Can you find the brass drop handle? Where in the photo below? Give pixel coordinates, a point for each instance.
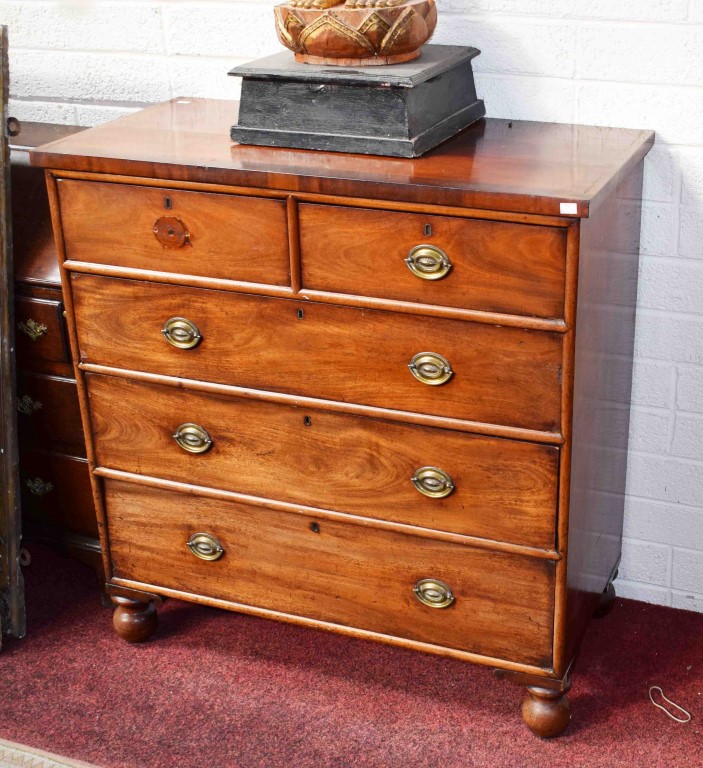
(27, 406)
(39, 487)
(193, 438)
(205, 546)
(428, 262)
(181, 332)
(32, 328)
(431, 368)
(434, 593)
(433, 482)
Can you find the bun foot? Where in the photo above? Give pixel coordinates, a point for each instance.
(546, 713)
(133, 620)
(606, 601)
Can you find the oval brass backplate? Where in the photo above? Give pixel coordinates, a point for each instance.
(430, 368)
(428, 262)
(433, 482)
(171, 232)
(433, 593)
(205, 546)
(193, 438)
(181, 332)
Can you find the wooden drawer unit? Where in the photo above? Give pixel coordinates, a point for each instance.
(171, 230)
(468, 263)
(59, 508)
(495, 488)
(49, 415)
(361, 395)
(499, 375)
(40, 332)
(503, 603)
(56, 492)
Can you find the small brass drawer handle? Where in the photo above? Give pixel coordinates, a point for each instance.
(431, 368)
(433, 482)
(33, 329)
(39, 487)
(27, 406)
(193, 438)
(428, 262)
(205, 546)
(434, 593)
(181, 333)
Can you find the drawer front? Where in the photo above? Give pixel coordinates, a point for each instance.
(501, 375)
(49, 415)
(335, 572)
(40, 332)
(492, 266)
(56, 491)
(171, 230)
(503, 489)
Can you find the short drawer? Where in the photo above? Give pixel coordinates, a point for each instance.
(40, 332)
(49, 415)
(171, 230)
(340, 573)
(500, 375)
(495, 489)
(469, 263)
(56, 491)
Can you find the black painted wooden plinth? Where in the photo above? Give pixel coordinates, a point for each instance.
(402, 110)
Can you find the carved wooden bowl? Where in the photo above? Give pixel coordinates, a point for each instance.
(358, 33)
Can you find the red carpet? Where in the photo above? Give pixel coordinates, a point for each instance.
(218, 690)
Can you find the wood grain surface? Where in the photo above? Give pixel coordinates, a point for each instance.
(338, 573)
(502, 375)
(228, 236)
(502, 165)
(504, 489)
(496, 267)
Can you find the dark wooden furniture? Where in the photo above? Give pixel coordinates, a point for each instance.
(12, 617)
(57, 502)
(388, 397)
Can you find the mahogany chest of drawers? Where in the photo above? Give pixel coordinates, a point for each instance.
(384, 397)
(57, 501)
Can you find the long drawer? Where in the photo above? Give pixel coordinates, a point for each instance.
(498, 375)
(335, 572)
(171, 230)
(502, 489)
(485, 265)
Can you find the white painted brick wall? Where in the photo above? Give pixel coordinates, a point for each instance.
(629, 63)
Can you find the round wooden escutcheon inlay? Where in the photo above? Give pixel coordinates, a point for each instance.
(171, 232)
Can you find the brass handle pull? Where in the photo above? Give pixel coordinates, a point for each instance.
(428, 262)
(431, 368)
(205, 546)
(32, 329)
(27, 406)
(39, 487)
(434, 593)
(193, 438)
(433, 482)
(171, 232)
(181, 332)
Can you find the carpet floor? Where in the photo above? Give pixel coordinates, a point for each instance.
(219, 690)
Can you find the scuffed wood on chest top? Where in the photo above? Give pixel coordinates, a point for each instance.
(345, 388)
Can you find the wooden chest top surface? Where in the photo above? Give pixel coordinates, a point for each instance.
(516, 166)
